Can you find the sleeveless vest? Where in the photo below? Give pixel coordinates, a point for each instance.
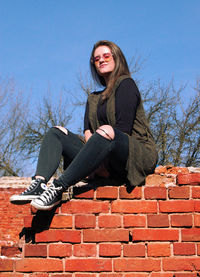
(142, 150)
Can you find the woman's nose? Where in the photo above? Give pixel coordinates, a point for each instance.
(101, 59)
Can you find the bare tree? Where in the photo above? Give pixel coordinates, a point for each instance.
(174, 122)
(22, 130)
(47, 114)
(13, 114)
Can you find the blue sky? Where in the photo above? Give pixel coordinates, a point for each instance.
(47, 43)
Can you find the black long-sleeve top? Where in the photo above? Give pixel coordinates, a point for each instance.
(127, 99)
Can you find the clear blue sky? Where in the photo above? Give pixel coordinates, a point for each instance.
(48, 42)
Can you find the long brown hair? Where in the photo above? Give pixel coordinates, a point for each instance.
(121, 67)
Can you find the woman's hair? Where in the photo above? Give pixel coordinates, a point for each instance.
(121, 67)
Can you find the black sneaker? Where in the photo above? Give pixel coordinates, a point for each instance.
(49, 198)
(36, 188)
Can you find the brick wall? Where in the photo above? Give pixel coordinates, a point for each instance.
(106, 231)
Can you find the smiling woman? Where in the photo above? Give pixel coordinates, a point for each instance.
(117, 139)
(104, 62)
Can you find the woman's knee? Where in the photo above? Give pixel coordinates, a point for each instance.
(106, 131)
(64, 130)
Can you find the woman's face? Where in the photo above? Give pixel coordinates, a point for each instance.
(103, 60)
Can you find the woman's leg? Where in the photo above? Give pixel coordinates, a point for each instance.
(57, 142)
(103, 143)
(96, 150)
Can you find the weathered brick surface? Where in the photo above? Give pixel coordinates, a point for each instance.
(108, 231)
(158, 249)
(85, 250)
(11, 216)
(134, 220)
(134, 250)
(184, 249)
(108, 250)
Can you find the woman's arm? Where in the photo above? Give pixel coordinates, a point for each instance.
(87, 130)
(127, 99)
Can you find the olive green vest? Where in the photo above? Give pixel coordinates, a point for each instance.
(142, 151)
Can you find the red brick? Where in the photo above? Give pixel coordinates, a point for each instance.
(170, 169)
(137, 264)
(35, 250)
(188, 179)
(179, 192)
(136, 193)
(39, 264)
(192, 234)
(198, 249)
(185, 249)
(107, 192)
(134, 250)
(110, 250)
(61, 221)
(156, 274)
(85, 221)
(6, 265)
(181, 264)
(134, 206)
(112, 275)
(135, 275)
(185, 275)
(84, 275)
(155, 235)
(160, 220)
(197, 220)
(196, 192)
(10, 251)
(176, 206)
(154, 180)
(62, 275)
(197, 206)
(155, 193)
(134, 220)
(181, 220)
(91, 235)
(60, 250)
(11, 274)
(85, 207)
(109, 221)
(158, 249)
(85, 250)
(41, 275)
(55, 235)
(90, 265)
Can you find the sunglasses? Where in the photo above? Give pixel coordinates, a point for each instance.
(106, 56)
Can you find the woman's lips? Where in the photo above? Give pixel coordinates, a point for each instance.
(102, 65)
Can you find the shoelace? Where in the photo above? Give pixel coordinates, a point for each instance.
(32, 185)
(50, 193)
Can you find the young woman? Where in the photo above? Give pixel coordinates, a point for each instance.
(118, 141)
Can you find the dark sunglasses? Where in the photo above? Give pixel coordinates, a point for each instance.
(106, 56)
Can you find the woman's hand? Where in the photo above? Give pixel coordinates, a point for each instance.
(87, 135)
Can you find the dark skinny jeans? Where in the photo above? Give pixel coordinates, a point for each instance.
(81, 159)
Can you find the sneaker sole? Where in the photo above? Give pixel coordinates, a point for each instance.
(21, 200)
(44, 208)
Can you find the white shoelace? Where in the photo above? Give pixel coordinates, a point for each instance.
(51, 192)
(32, 185)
